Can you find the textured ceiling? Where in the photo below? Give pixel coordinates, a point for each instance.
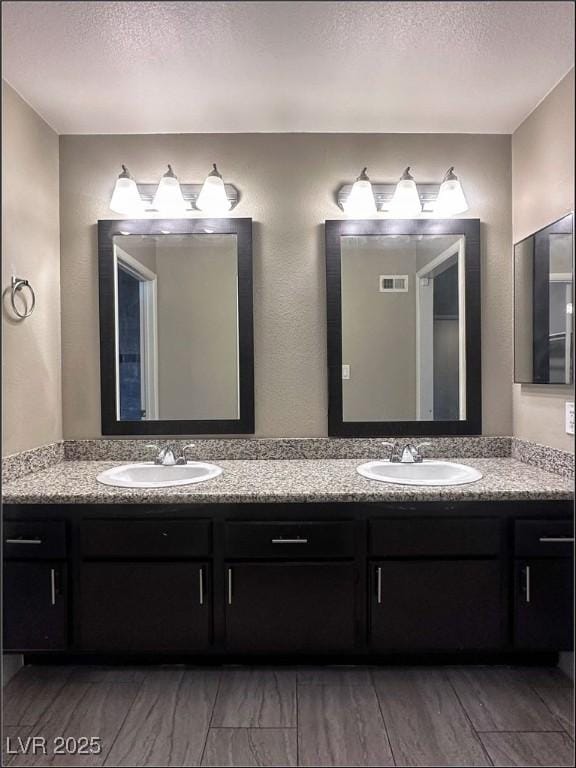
(148, 67)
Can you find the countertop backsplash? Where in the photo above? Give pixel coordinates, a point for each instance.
(246, 449)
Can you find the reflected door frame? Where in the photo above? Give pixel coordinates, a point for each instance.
(148, 282)
(425, 334)
(565, 279)
(542, 278)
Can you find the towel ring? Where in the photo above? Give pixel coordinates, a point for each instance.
(18, 283)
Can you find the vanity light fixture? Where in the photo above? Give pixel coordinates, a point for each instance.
(126, 197)
(403, 199)
(213, 199)
(168, 198)
(360, 202)
(405, 202)
(171, 198)
(450, 200)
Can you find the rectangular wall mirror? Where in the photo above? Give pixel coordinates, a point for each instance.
(543, 305)
(176, 326)
(404, 327)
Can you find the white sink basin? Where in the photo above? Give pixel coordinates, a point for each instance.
(421, 473)
(150, 475)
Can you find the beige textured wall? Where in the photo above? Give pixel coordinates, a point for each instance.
(31, 390)
(287, 183)
(543, 191)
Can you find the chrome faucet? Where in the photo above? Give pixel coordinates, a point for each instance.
(171, 454)
(409, 454)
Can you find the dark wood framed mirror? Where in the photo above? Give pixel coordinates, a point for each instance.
(176, 328)
(543, 305)
(404, 327)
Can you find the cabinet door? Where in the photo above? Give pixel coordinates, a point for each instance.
(145, 606)
(35, 606)
(435, 605)
(291, 607)
(544, 610)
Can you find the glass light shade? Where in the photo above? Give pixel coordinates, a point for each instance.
(360, 202)
(168, 198)
(450, 200)
(126, 198)
(405, 201)
(212, 198)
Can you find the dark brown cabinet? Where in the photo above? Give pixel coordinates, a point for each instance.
(435, 605)
(145, 606)
(259, 579)
(35, 606)
(290, 607)
(35, 586)
(544, 605)
(543, 585)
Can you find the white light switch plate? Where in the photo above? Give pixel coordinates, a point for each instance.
(345, 372)
(569, 418)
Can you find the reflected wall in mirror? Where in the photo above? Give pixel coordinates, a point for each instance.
(176, 326)
(543, 305)
(403, 300)
(403, 327)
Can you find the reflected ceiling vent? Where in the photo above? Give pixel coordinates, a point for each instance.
(393, 283)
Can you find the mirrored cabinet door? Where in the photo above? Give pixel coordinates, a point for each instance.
(176, 323)
(404, 327)
(543, 305)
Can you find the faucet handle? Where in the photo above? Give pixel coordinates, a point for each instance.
(185, 448)
(422, 445)
(392, 445)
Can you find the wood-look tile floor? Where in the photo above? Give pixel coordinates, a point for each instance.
(251, 716)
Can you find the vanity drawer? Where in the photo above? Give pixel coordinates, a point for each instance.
(289, 540)
(431, 537)
(35, 540)
(543, 538)
(155, 539)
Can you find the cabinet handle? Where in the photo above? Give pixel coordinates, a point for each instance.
(201, 585)
(379, 585)
(229, 586)
(52, 586)
(289, 541)
(527, 582)
(23, 541)
(557, 539)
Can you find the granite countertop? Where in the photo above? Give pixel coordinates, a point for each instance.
(294, 480)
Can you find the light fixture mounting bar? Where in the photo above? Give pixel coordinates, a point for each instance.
(190, 193)
(383, 195)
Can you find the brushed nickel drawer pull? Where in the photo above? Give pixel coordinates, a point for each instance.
(557, 539)
(289, 541)
(201, 584)
(379, 585)
(53, 586)
(527, 584)
(23, 541)
(229, 586)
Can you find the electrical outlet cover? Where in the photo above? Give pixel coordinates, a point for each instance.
(569, 418)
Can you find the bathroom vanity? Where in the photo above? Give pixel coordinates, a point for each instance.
(300, 557)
